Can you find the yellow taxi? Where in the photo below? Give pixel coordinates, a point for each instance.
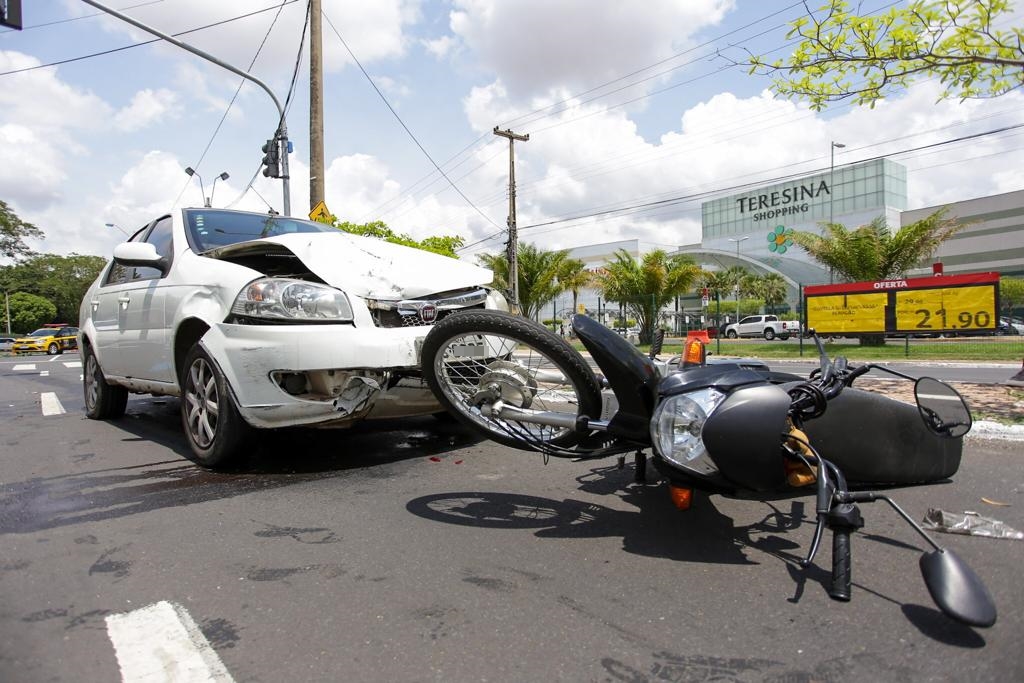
(52, 339)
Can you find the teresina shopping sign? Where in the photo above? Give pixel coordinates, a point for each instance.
(788, 201)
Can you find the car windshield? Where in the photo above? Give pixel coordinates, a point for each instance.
(44, 332)
(212, 228)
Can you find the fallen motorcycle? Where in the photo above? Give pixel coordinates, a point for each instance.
(728, 428)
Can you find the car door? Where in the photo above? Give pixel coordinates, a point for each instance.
(129, 314)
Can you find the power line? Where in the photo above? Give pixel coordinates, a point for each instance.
(227, 109)
(84, 16)
(674, 200)
(405, 127)
(145, 42)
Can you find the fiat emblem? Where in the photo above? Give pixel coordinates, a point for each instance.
(428, 313)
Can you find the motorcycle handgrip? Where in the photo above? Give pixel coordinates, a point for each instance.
(855, 373)
(840, 589)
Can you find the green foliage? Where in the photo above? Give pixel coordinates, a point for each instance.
(645, 287)
(573, 276)
(62, 280)
(13, 231)
(872, 252)
(538, 275)
(1011, 293)
(843, 54)
(29, 312)
(445, 245)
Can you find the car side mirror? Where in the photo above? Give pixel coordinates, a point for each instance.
(142, 254)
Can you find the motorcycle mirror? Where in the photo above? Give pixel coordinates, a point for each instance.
(942, 408)
(956, 589)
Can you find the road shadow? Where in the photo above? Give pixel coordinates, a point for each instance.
(279, 458)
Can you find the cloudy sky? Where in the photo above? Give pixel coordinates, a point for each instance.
(636, 111)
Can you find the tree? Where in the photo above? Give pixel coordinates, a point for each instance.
(538, 275)
(872, 251)
(844, 54)
(63, 280)
(645, 287)
(573, 277)
(771, 287)
(29, 312)
(1011, 293)
(439, 244)
(13, 231)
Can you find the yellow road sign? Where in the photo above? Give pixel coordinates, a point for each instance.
(320, 212)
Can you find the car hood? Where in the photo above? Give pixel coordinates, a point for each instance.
(362, 266)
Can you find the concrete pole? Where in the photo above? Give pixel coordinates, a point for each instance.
(513, 236)
(316, 107)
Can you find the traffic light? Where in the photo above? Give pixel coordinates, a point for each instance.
(272, 159)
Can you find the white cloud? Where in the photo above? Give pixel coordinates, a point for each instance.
(147, 107)
(440, 47)
(535, 45)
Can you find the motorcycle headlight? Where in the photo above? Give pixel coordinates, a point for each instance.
(676, 428)
(297, 300)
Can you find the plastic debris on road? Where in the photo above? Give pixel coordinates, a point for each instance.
(969, 523)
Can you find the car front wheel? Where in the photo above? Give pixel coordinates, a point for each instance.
(731, 334)
(102, 401)
(216, 433)
(53, 349)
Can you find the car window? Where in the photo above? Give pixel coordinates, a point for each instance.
(160, 236)
(212, 228)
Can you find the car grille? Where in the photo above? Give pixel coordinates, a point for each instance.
(417, 312)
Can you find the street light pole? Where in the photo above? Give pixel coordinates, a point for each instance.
(737, 241)
(831, 178)
(115, 225)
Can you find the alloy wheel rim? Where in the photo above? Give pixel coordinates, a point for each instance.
(202, 407)
(91, 382)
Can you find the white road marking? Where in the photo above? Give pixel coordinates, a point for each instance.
(73, 364)
(25, 366)
(161, 642)
(44, 373)
(53, 359)
(51, 404)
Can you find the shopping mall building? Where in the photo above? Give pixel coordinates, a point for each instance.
(753, 229)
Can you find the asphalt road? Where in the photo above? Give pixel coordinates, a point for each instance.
(412, 551)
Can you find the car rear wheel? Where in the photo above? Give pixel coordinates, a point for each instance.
(53, 349)
(217, 434)
(102, 401)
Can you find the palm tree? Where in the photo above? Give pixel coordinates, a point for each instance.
(645, 287)
(872, 251)
(573, 277)
(771, 288)
(538, 275)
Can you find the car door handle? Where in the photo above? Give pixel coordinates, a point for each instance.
(95, 304)
(124, 300)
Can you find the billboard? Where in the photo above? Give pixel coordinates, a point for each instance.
(929, 305)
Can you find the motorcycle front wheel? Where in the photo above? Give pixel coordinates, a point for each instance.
(472, 359)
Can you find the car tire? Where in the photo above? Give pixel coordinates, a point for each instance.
(769, 334)
(783, 337)
(731, 334)
(53, 349)
(217, 435)
(102, 401)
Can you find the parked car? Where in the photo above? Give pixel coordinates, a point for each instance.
(6, 343)
(767, 326)
(1012, 326)
(263, 321)
(53, 339)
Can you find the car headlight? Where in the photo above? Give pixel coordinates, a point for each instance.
(676, 428)
(286, 299)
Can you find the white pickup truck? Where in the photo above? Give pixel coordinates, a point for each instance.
(767, 326)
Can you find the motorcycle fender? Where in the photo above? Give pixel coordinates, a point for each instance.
(873, 438)
(743, 437)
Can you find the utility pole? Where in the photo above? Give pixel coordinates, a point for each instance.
(316, 107)
(513, 237)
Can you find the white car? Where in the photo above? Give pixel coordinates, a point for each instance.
(265, 321)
